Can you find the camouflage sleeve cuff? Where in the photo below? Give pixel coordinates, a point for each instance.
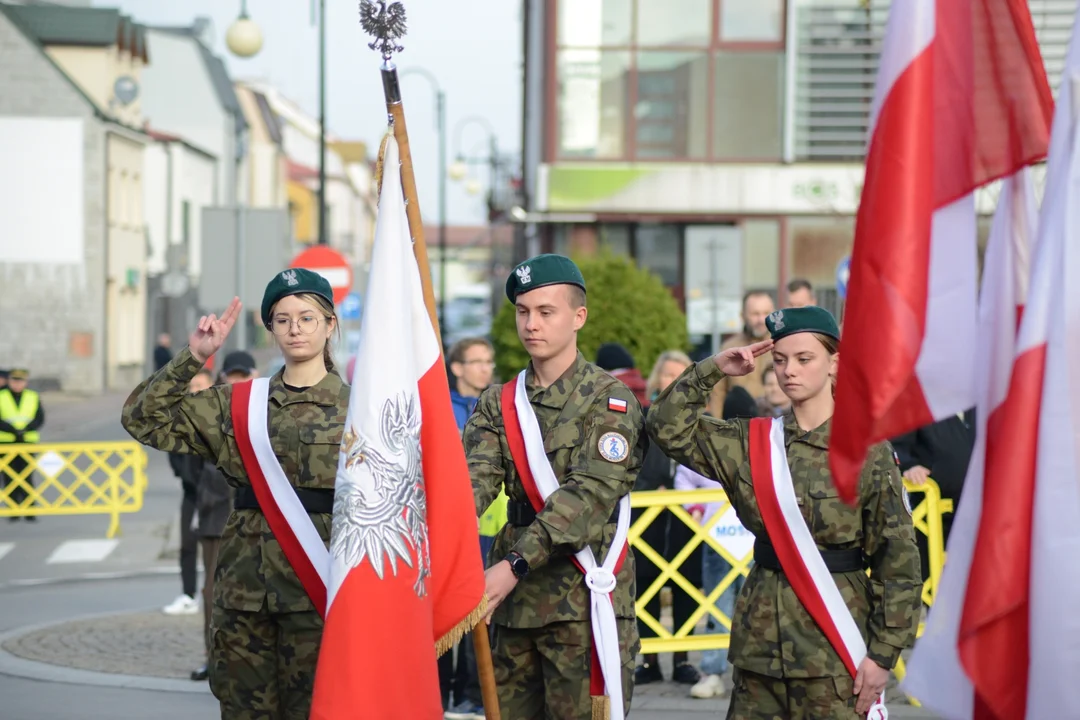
(708, 374)
(883, 654)
(531, 547)
(183, 367)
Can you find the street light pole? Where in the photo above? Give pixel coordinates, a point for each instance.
(323, 238)
(440, 101)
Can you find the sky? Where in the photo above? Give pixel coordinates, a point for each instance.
(480, 72)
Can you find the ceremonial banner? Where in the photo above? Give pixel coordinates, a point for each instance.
(961, 100)
(406, 575)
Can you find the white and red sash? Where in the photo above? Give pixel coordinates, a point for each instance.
(526, 443)
(798, 553)
(285, 514)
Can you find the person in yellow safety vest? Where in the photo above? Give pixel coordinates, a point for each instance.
(21, 416)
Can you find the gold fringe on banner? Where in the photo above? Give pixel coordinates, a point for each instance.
(450, 639)
(379, 160)
(601, 707)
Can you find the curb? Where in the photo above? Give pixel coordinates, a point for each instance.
(15, 666)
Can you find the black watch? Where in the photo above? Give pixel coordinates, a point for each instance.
(518, 565)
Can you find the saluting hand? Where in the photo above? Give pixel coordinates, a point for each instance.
(736, 362)
(211, 332)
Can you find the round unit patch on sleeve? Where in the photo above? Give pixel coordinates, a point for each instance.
(907, 500)
(613, 447)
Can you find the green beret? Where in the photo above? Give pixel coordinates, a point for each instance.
(547, 269)
(811, 319)
(294, 281)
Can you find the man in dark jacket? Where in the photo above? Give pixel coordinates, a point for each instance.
(214, 501)
(940, 451)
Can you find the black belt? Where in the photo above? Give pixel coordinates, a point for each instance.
(838, 561)
(520, 514)
(314, 501)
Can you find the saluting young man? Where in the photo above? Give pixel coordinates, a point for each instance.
(566, 441)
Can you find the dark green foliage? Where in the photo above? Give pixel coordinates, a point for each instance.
(626, 304)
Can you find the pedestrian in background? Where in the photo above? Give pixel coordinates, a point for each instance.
(472, 365)
(619, 363)
(3, 378)
(667, 535)
(162, 351)
(21, 417)
(187, 469)
(214, 503)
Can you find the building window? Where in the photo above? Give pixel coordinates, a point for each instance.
(675, 80)
(671, 112)
(592, 103)
(595, 23)
(751, 21)
(673, 23)
(748, 104)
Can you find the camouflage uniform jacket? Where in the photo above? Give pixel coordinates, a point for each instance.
(573, 414)
(305, 431)
(772, 633)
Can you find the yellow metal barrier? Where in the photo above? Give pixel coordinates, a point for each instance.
(926, 516)
(89, 478)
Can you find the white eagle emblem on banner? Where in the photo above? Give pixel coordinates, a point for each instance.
(382, 515)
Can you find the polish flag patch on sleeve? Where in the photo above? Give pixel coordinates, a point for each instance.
(616, 405)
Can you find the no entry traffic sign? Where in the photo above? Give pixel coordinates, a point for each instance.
(329, 263)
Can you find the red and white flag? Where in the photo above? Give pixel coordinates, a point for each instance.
(961, 100)
(405, 571)
(1011, 585)
(935, 674)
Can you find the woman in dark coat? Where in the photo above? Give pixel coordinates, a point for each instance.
(668, 535)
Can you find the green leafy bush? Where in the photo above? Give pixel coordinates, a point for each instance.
(627, 305)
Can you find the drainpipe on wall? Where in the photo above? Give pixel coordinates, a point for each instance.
(105, 246)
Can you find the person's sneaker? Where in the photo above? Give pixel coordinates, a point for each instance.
(465, 710)
(647, 673)
(710, 686)
(200, 673)
(183, 605)
(686, 674)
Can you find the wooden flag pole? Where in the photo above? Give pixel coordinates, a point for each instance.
(387, 24)
(481, 642)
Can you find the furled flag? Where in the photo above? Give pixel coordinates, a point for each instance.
(961, 100)
(1024, 587)
(406, 574)
(935, 674)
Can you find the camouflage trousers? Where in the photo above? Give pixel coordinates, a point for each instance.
(543, 673)
(760, 697)
(262, 665)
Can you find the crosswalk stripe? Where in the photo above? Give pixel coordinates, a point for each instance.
(5, 548)
(76, 551)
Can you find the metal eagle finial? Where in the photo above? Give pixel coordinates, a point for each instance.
(386, 22)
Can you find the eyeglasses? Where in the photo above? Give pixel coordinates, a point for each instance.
(305, 324)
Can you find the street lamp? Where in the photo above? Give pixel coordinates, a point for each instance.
(440, 127)
(244, 37)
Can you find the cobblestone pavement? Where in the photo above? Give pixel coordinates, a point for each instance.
(149, 644)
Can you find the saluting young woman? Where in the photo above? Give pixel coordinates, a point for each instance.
(785, 664)
(265, 627)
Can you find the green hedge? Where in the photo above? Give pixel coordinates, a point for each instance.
(627, 305)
